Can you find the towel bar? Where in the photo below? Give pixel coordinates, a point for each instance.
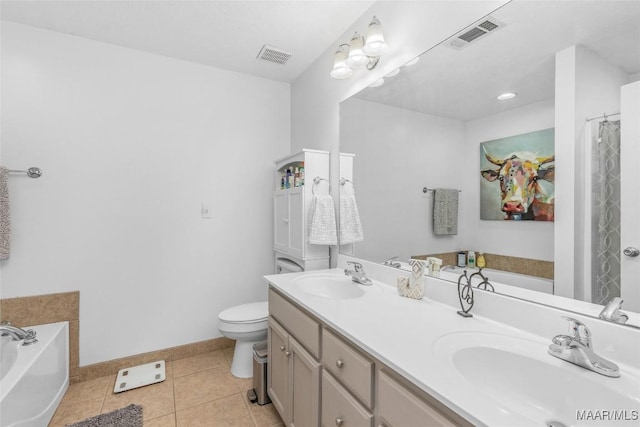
(317, 180)
(425, 190)
(32, 172)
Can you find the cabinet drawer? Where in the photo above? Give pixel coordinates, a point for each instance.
(348, 365)
(399, 407)
(339, 408)
(304, 328)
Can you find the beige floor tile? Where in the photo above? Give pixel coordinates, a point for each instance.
(156, 399)
(164, 421)
(76, 411)
(228, 412)
(228, 352)
(88, 390)
(263, 416)
(205, 386)
(199, 363)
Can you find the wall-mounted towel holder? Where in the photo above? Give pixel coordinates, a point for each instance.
(343, 181)
(425, 190)
(32, 172)
(317, 180)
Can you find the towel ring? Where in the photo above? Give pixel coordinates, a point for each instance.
(343, 181)
(317, 180)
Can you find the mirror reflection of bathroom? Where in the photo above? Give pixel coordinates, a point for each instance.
(435, 120)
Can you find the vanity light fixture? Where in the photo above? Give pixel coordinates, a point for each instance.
(414, 61)
(360, 51)
(393, 73)
(506, 95)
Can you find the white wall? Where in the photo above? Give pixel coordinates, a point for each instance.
(412, 151)
(586, 86)
(131, 144)
(526, 239)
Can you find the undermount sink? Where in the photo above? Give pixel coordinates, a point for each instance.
(328, 285)
(521, 377)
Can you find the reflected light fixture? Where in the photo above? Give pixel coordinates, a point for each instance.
(506, 95)
(377, 83)
(361, 51)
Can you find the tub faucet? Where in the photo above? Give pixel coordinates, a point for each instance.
(393, 262)
(612, 313)
(358, 275)
(577, 349)
(17, 334)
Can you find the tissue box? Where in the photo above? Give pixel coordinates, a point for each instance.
(413, 286)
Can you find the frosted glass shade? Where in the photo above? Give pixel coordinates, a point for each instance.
(340, 68)
(357, 57)
(375, 44)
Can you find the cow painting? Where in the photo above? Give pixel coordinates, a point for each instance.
(523, 181)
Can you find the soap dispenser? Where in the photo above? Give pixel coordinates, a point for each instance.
(481, 262)
(471, 259)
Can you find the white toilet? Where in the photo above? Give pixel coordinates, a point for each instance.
(247, 324)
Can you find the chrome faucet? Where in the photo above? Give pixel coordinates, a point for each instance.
(357, 275)
(576, 349)
(612, 313)
(392, 262)
(18, 334)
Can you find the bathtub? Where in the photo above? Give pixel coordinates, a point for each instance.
(503, 281)
(34, 378)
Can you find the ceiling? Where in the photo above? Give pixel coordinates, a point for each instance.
(519, 57)
(223, 34)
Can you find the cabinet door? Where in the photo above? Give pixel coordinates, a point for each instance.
(304, 386)
(281, 221)
(297, 233)
(277, 368)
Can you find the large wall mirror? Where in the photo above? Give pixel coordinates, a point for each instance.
(423, 129)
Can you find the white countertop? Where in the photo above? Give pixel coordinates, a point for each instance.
(406, 335)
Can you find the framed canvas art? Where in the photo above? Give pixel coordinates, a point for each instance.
(518, 177)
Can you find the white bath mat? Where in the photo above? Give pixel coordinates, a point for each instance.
(140, 376)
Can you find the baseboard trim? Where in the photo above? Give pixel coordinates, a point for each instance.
(111, 367)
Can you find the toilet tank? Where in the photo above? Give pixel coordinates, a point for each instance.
(284, 265)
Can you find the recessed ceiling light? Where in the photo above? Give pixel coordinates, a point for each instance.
(506, 95)
(377, 83)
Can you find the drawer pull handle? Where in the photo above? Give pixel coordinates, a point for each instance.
(339, 421)
(285, 220)
(287, 353)
(339, 363)
(281, 348)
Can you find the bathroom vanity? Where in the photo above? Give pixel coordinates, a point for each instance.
(346, 354)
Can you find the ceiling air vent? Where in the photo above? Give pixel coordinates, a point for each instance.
(273, 54)
(475, 32)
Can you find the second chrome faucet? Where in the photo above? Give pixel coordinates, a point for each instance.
(357, 274)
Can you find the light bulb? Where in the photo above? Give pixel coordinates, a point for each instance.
(375, 44)
(356, 57)
(340, 68)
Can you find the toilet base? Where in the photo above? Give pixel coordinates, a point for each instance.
(242, 364)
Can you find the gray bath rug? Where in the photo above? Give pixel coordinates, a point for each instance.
(130, 416)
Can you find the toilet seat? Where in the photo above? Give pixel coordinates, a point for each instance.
(254, 312)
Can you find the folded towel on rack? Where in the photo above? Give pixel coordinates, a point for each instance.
(445, 211)
(322, 221)
(350, 225)
(5, 219)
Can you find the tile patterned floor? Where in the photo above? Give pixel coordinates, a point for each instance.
(199, 391)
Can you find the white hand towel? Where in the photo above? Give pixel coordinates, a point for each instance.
(350, 225)
(322, 221)
(445, 211)
(5, 220)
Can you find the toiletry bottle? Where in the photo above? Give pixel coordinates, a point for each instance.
(480, 262)
(471, 259)
(302, 174)
(461, 259)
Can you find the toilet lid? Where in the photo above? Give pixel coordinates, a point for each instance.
(246, 313)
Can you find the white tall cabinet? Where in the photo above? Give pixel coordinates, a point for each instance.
(291, 206)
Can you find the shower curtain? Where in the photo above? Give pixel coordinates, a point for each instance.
(606, 259)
